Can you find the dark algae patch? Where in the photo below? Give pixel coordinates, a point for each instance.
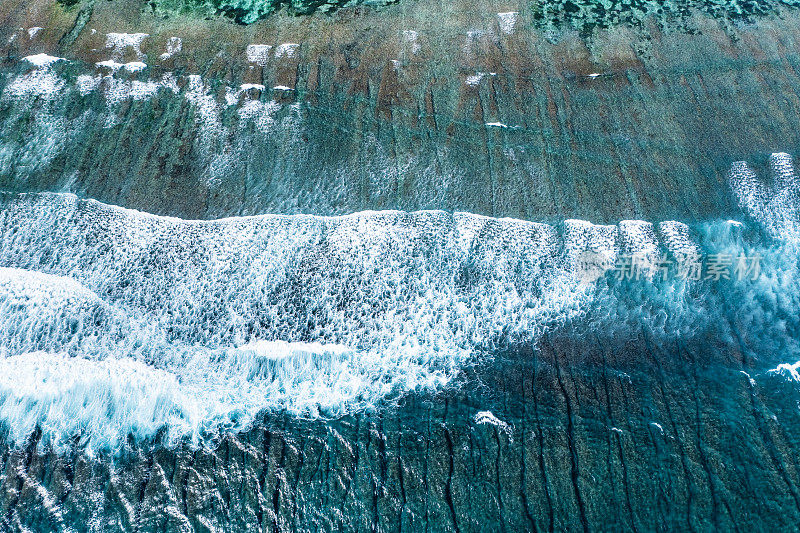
(589, 15)
(583, 15)
(249, 11)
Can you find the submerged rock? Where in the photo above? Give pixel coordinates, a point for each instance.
(336, 114)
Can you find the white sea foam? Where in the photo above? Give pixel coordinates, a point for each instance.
(309, 314)
(93, 380)
(677, 238)
(107, 399)
(410, 39)
(637, 237)
(589, 249)
(120, 43)
(44, 83)
(581, 235)
(508, 21)
(109, 64)
(206, 107)
(40, 81)
(488, 418)
(638, 240)
(471, 40)
(262, 114)
(116, 90)
(174, 46)
(87, 84)
(776, 206)
(135, 66)
(42, 60)
(258, 53)
(474, 79)
(789, 370)
(132, 66)
(286, 50)
(218, 320)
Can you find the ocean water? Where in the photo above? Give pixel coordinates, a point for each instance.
(118, 323)
(621, 355)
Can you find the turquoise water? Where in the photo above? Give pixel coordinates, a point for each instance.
(560, 294)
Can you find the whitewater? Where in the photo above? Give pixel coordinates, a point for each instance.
(118, 323)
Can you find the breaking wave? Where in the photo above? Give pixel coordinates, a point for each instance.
(314, 315)
(115, 322)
